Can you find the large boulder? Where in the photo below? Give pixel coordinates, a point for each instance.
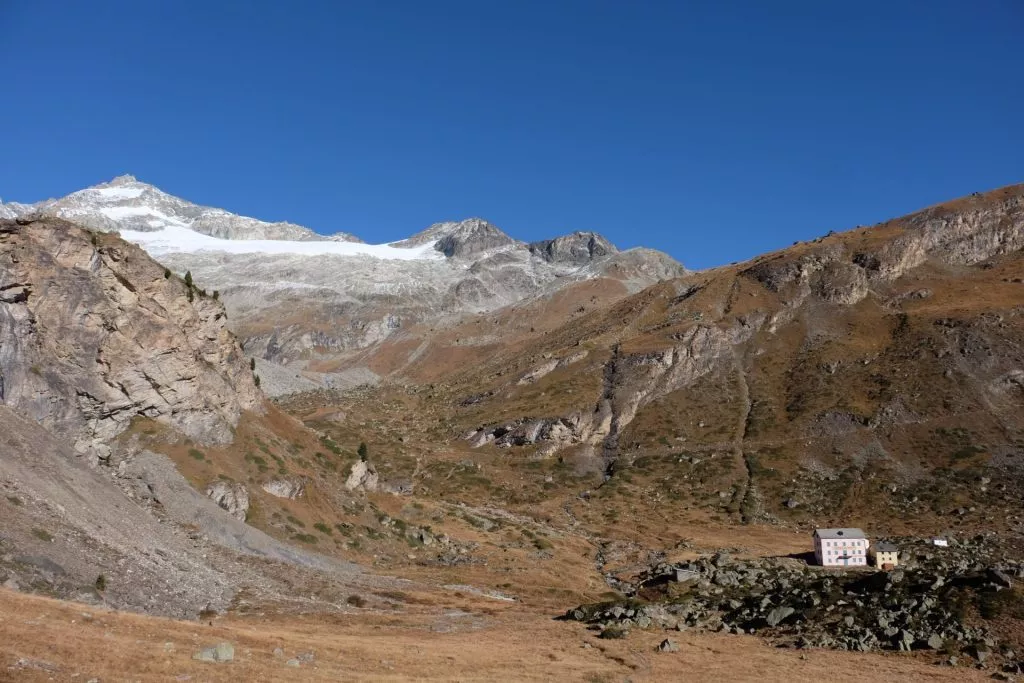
(231, 496)
(363, 477)
(285, 488)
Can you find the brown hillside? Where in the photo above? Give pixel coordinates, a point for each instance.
(870, 377)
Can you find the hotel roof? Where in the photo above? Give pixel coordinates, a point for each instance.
(839, 533)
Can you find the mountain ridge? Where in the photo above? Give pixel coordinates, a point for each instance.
(300, 299)
(123, 191)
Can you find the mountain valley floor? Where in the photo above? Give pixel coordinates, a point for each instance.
(438, 637)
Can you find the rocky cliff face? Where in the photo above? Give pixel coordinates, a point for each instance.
(843, 271)
(93, 333)
(579, 247)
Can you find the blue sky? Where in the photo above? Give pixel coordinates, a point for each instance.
(713, 131)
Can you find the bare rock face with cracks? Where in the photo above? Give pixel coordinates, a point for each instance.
(94, 333)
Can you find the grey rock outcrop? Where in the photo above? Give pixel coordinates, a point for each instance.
(631, 382)
(221, 652)
(289, 488)
(230, 496)
(668, 645)
(92, 335)
(362, 477)
(579, 248)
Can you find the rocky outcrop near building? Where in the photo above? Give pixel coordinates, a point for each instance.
(921, 606)
(94, 333)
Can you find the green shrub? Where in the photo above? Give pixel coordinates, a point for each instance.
(42, 535)
(967, 452)
(101, 583)
(613, 633)
(323, 528)
(197, 454)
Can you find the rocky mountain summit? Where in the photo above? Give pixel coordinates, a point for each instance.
(125, 203)
(579, 247)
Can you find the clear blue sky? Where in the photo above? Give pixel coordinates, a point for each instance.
(713, 131)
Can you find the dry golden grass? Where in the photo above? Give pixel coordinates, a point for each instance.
(419, 644)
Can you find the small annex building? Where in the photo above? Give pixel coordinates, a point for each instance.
(886, 555)
(840, 547)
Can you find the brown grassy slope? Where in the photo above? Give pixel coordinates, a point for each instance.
(42, 639)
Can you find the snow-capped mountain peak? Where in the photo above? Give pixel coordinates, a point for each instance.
(294, 295)
(127, 204)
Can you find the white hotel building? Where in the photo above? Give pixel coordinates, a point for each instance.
(840, 548)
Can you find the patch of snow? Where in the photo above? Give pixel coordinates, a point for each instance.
(175, 237)
(112, 194)
(121, 212)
